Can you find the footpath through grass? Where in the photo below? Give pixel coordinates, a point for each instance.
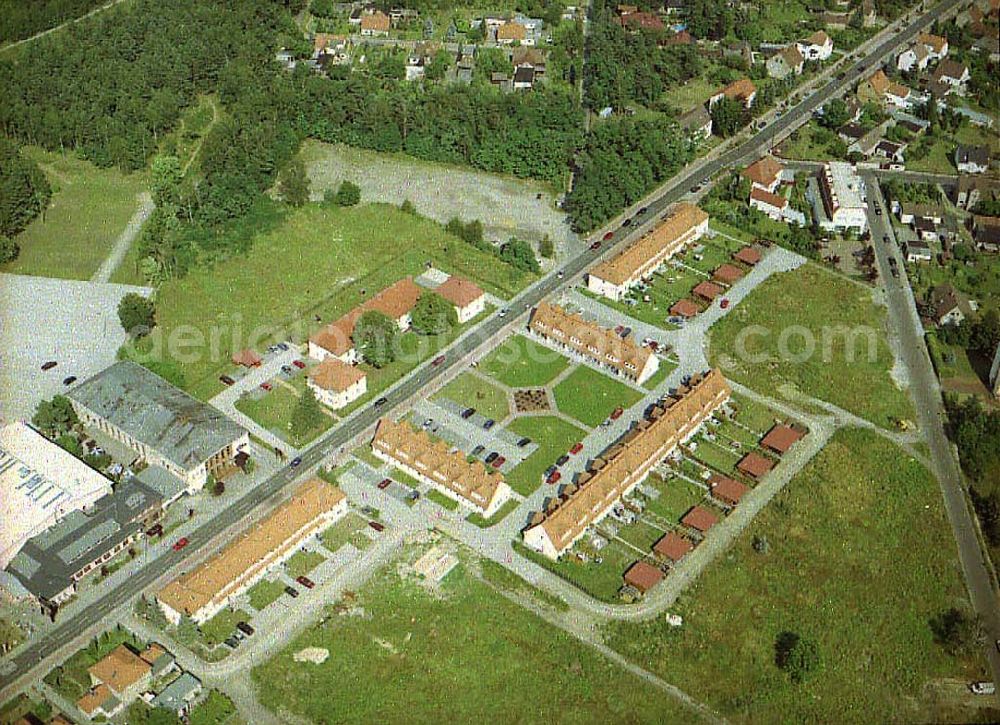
(90, 208)
(402, 661)
(860, 557)
(813, 332)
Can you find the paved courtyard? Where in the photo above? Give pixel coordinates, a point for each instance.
(72, 322)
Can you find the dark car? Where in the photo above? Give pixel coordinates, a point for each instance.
(305, 581)
(885, 238)
(226, 380)
(232, 642)
(562, 459)
(523, 442)
(596, 245)
(626, 223)
(694, 189)
(155, 531)
(287, 369)
(491, 457)
(380, 402)
(642, 211)
(438, 360)
(69, 380)
(878, 211)
(478, 449)
(245, 628)
(49, 365)
(489, 424)
(291, 591)
(384, 483)
(468, 413)
(626, 332)
(376, 525)
(295, 461)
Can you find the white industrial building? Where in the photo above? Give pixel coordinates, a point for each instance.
(844, 198)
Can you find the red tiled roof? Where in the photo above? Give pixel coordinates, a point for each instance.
(247, 358)
(747, 255)
(460, 292)
(673, 547)
(775, 200)
(755, 465)
(764, 171)
(684, 308)
(395, 302)
(646, 21)
(780, 438)
(643, 576)
(727, 273)
(700, 519)
(743, 89)
(726, 489)
(707, 290)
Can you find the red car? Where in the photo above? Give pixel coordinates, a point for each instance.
(724, 304)
(617, 413)
(609, 236)
(384, 483)
(376, 525)
(305, 581)
(576, 448)
(266, 386)
(498, 461)
(180, 543)
(438, 360)
(553, 477)
(299, 364)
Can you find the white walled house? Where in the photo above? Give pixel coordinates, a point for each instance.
(337, 384)
(818, 46)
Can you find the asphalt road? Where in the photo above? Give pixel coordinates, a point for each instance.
(668, 194)
(926, 394)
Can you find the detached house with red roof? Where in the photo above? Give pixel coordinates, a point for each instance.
(764, 173)
(742, 90)
(937, 45)
(818, 46)
(467, 297)
(336, 384)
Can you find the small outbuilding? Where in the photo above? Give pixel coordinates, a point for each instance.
(684, 308)
(748, 256)
(727, 274)
(781, 438)
(672, 546)
(726, 490)
(700, 519)
(247, 358)
(754, 465)
(643, 576)
(707, 291)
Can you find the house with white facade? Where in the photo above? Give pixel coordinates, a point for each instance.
(337, 384)
(818, 46)
(844, 198)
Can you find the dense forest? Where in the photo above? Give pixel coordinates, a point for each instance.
(24, 190)
(20, 19)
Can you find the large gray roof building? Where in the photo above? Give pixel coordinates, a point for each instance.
(49, 565)
(164, 425)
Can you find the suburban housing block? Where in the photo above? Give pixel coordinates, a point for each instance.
(624, 464)
(595, 343)
(433, 462)
(165, 426)
(201, 593)
(613, 278)
(336, 383)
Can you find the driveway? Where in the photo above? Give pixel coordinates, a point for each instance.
(72, 322)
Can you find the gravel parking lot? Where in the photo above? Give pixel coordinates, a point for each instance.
(72, 322)
(506, 206)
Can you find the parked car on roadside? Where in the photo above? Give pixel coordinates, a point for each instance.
(384, 483)
(376, 526)
(291, 591)
(180, 543)
(226, 380)
(498, 461)
(299, 364)
(305, 581)
(245, 628)
(491, 457)
(49, 365)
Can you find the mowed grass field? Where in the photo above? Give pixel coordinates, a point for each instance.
(765, 343)
(523, 363)
(320, 261)
(90, 208)
(861, 556)
(554, 437)
(472, 391)
(402, 662)
(590, 396)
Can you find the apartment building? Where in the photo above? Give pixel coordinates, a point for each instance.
(625, 464)
(598, 344)
(207, 589)
(337, 384)
(844, 197)
(432, 461)
(613, 278)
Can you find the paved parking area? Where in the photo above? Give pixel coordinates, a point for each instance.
(469, 433)
(72, 322)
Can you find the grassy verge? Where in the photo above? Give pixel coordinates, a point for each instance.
(496, 518)
(303, 562)
(590, 396)
(441, 500)
(90, 208)
(215, 630)
(554, 436)
(813, 332)
(264, 593)
(401, 661)
(349, 530)
(471, 391)
(274, 410)
(522, 363)
(860, 558)
(503, 578)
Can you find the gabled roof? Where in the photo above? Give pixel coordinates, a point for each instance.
(934, 42)
(120, 669)
(741, 89)
(332, 374)
(511, 31)
(376, 21)
(643, 576)
(747, 255)
(672, 546)
(818, 38)
(726, 489)
(700, 519)
(979, 155)
(395, 302)
(727, 273)
(879, 81)
(754, 464)
(684, 308)
(764, 171)
(781, 437)
(707, 290)
(949, 68)
(460, 292)
(792, 57)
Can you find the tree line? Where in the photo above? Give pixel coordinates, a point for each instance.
(24, 194)
(19, 19)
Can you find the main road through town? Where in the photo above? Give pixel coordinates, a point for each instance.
(16, 669)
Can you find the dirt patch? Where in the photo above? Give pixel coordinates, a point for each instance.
(507, 207)
(530, 400)
(314, 655)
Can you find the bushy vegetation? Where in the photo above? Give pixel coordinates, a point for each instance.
(19, 19)
(24, 191)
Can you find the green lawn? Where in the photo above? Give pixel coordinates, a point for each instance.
(223, 624)
(554, 437)
(215, 709)
(404, 478)
(666, 367)
(441, 500)
(472, 391)
(496, 518)
(319, 260)
(274, 412)
(590, 396)
(349, 530)
(523, 363)
(303, 562)
(676, 497)
(764, 343)
(601, 581)
(90, 208)
(652, 306)
(861, 556)
(404, 662)
(264, 593)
